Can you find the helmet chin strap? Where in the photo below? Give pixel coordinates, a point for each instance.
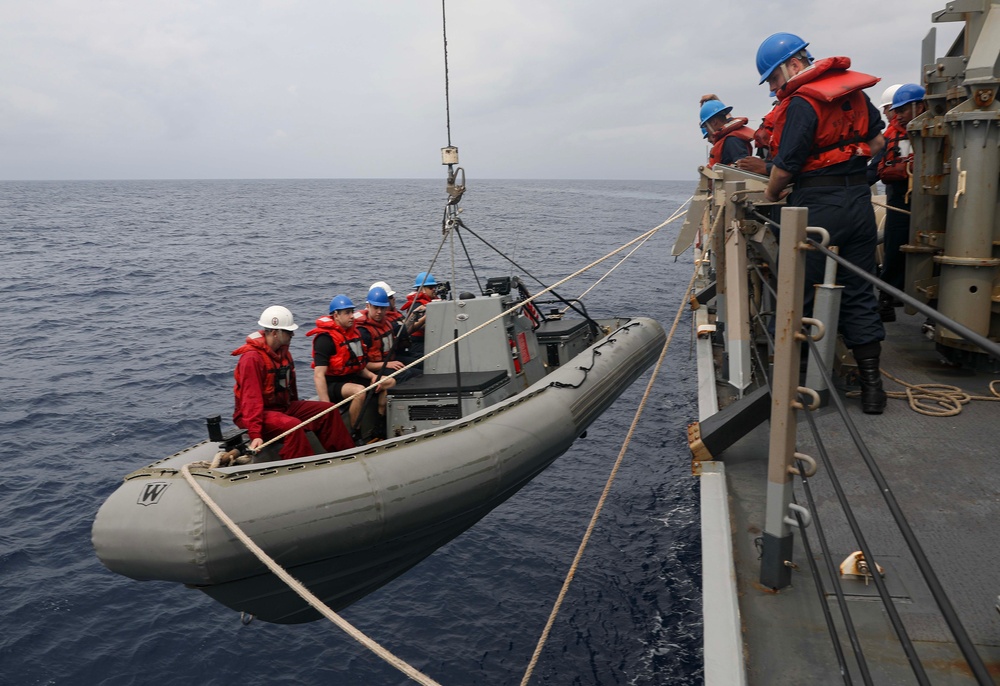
(784, 72)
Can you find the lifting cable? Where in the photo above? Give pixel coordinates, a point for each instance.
(607, 487)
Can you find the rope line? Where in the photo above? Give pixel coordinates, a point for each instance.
(318, 604)
(936, 399)
(607, 488)
(640, 238)
(304, 592)
(890, 207)
(678, 212)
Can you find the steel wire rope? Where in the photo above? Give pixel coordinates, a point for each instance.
(944, 604)
(818, 584)
(607, 488)
(824, 546)
(930, 577)
(947, 399)
(965, 332)
(852, 521)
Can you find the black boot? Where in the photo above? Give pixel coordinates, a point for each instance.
(886, 311)
(872, 394)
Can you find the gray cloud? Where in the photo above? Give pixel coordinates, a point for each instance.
(558, 89)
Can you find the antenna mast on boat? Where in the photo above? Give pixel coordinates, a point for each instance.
(449, 154)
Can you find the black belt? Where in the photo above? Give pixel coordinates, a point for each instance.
(831, 181)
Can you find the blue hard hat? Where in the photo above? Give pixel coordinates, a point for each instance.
(712, 108)
(340, 302)
(775, 51)
(907, 93)
(424, 279)
(378, 297)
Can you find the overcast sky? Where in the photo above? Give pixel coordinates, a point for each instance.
(143, 89)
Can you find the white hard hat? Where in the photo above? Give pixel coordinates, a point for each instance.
(277, 317)
(888, 93)
(382, 284)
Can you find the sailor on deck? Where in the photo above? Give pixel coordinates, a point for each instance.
(266, 395)
(895, 171)
(731, 138)
(825, 131)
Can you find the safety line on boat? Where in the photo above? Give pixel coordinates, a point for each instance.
(607, 487)
(521, 303)
(304, 592)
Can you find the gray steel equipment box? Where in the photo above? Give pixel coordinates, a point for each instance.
(574, 334)
(431, 400)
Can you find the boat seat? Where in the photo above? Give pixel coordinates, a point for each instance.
(430, 385)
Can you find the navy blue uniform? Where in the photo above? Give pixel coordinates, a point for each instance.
(844, 208)
(734, 148)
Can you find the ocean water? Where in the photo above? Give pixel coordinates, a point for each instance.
(123, 301)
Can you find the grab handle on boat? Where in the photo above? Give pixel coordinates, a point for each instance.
(806, 516)
(820, 330)
(810, 465)
(813, 397)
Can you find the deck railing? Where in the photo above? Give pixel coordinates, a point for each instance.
(762, 330)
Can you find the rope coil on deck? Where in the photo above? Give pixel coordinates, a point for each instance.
(938, 400)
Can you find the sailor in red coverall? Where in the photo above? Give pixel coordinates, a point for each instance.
(266, 395)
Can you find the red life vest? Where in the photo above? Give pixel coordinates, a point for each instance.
(835, 94)
(734, 127)
(892, 167)
(349, 353)
(762, 136)
(381, 335)
(279, 380)
(421, 298)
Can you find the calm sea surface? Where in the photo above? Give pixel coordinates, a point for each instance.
(123, 301)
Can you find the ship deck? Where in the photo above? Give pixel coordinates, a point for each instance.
(943, 473)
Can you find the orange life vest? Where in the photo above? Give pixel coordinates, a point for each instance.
(349, 352)
(762, 136)
(279, 381)
(734, 127)
(414, 300)
(381, 335)
(892, 166)
(835, 94)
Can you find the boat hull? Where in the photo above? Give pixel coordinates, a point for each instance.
(347, 523)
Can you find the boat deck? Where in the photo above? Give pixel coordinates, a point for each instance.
(943, 471)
